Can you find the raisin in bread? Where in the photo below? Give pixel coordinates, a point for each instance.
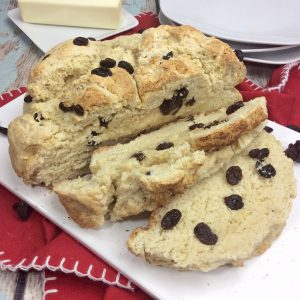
(87, 93)
(128, 179)
(216, 223)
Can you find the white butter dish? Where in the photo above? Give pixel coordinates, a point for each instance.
(48, 36)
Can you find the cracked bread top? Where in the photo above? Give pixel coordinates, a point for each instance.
(65, 72)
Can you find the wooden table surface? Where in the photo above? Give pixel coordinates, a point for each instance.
(17, 55)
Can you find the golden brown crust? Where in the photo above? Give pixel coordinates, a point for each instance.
(232, 132)
(86, 214)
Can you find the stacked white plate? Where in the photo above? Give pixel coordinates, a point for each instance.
(266, 31)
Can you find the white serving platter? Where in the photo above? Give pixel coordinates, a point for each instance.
(266, 22)
(274, 275)
(48, 36)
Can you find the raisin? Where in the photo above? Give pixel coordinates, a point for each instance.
(108, 63)
(166, 107)
(80, 41)
(148, 173)
(46, 56)
(168, 55)
(259, 153)
(23, 210)
(78, 110)
(139, 156)
(27, 99)
(91, 143)
(103, 122)
(263, 153)
(73, 108)
(126, 66)
(94, 133)
(101, 71)
(173, 105)
(196, 126)
(63, 107)
(177, 104)
(268, 129)
(239, 54)
(254, 153)
(266, 171)
(91, 39)
(234, 175)
(164, 146)
(190, 102)
(214, 123)
(3, 130)
(204, 234)
(38, 116)
(234, 107)
(234, 202)
(182, 93)
(293, 151)
(294, 127)
(170, 219)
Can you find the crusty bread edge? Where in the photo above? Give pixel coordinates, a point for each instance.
(261, 247)
(84, 216)
(227, 136)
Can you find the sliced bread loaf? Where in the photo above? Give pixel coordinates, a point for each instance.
(87, 93)
(128, 179)
(216, 223)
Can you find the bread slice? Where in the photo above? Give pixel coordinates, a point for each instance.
(74, 106)
(206, 232)
(128, 179)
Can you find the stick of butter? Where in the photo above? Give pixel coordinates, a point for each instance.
(81, 13)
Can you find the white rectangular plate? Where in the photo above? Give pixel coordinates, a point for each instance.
(273, 275)
(48, 36)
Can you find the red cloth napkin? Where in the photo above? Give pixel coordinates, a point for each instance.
(71, 271)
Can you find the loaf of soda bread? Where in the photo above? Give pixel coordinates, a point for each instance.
(84, 94)
(128, 179)
(216, 222)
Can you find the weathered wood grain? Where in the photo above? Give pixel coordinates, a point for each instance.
(23, 65)
(34, 286)
(7, 285)
(17, 52)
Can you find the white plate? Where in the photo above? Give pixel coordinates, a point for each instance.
(48, 36)
(257, 48)
(273, 275)
(275, 58)
(252, 48)
(163, 20)
(266, 22)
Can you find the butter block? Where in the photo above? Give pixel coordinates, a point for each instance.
(81, 13)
